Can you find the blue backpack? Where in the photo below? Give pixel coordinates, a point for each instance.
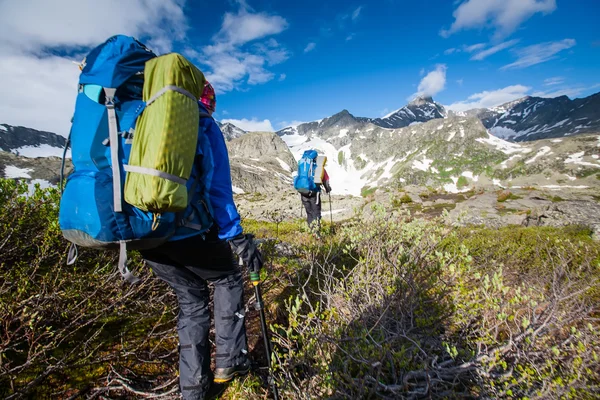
(92, 211)
(304, 182)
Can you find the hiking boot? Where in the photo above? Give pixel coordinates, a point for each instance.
(223, 375)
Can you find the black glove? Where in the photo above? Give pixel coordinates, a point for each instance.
(245, 247)
(327, 187)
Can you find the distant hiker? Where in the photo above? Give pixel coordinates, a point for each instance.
(311, 176)
(151, 173)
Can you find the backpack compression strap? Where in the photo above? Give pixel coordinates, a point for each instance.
(113, 136)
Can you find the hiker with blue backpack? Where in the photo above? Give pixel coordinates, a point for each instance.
(151, 173)
(311, 177)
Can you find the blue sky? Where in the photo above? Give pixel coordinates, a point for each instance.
(279, 62)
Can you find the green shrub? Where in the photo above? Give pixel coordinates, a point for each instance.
(419, 313)
(404, 199)
(367, 191)
(462, 182)
(505, 195)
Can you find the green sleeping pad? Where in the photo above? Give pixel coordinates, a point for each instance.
(166, 134)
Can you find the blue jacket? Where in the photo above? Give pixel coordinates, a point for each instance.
(213, 188)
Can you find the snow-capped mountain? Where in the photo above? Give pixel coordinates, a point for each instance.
(452, 153)
(31, 143)
(532, 118)
(230, 131)
(421, 109)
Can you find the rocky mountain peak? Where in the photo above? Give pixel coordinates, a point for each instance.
(421, 100)
(230, 131)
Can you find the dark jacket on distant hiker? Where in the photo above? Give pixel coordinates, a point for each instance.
(191, 259)
(312, 204)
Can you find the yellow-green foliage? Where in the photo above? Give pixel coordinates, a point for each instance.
(506, 195)
(386, 307)
(417, 307)
(404, 199)
(64, 328)
(462, 182)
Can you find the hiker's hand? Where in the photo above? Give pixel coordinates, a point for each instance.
(327, 188)
(245, 247)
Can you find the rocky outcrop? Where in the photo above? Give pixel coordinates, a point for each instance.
(260, 162)
(45, 168)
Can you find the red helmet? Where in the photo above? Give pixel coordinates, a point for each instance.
(208, 98)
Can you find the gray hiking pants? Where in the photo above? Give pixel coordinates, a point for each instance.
(312, 205)
(187, 265)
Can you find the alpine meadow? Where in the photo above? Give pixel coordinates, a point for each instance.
(299, 200)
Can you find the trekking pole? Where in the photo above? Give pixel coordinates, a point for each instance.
(259, 306)
(330, 215)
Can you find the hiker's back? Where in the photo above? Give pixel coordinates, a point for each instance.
(311, 169)
(132, 182)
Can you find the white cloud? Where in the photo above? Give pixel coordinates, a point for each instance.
(350, 37)
(539, 53)
(41, 86)
(432, 83)
(237, 55)
(505, 16)
(451, 51)
(282, 77)
(493, 98)
(493, 50)
(251, 125)
(244, 27)
(571, 92)
(356, 13)
(474, 47)
(32, 25)
(310, 47)
(460, 81)
(557, 80)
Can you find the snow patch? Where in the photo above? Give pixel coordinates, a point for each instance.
(3, 128)
(504, 163)
(557, 187)
(10, 171)
(497, 182)
(422, 165)
(541, 152)
(43, 150)
(556, 140)
(452, 134)
(283, 164)
(503, 145)
(343, 133)
(577, 158)
(294, 139)
(237, 190)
